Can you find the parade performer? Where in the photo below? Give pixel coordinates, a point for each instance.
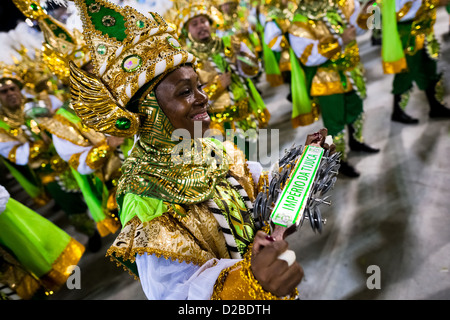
(28, 153)
(47, 252)
(277, 17)
(323, 37)
(186, 226)
(226, 66)
(92, 156)
(410, 50)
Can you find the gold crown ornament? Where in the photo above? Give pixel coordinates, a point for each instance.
(129, 52)
(61, 45)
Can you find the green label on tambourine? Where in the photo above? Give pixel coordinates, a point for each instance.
(292, 201)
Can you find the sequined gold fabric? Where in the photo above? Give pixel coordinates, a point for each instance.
(60, 271)
(327, 80)
(64, 129)
(74, 160)
(194, 238)
(238, 283)
(98, 156)
(12, 153)
(161, 168)
(108, 225)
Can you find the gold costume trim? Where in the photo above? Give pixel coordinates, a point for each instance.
(36, 149)
(274, 80)
(64, 129)
(404, 10)
(361, 21)
(47, 178)
(272, 42)
(6, 136)
(395, 67)
(303, 30)
(238, 111)
(215, 88)
(239, 169)
(60, 271)
(328, 88)
(329, 47)
(107, 226)
(12, 153)
(307, 118)
(263, 181)
(74, 160)
(193, 238)
(306, 53)
(238, 283)
(97, 156)
(24, 283)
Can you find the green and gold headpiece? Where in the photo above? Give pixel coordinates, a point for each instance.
(129, 50)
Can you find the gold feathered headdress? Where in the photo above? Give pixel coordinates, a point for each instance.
(182, 11)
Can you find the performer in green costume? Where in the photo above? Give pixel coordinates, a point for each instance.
(327, 70)
(47, 252)
(410, 50)
(185, 214)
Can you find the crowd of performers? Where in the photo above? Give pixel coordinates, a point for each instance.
(81, 125)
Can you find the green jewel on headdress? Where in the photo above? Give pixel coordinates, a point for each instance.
(128, 50)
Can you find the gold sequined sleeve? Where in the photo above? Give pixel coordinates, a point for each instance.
(12, 153)
(36, 149)
(362, 19)
(74, 160)
(238, 283)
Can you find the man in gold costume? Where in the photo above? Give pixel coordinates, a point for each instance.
(323, 37)
(226, 68)
(186, 215)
